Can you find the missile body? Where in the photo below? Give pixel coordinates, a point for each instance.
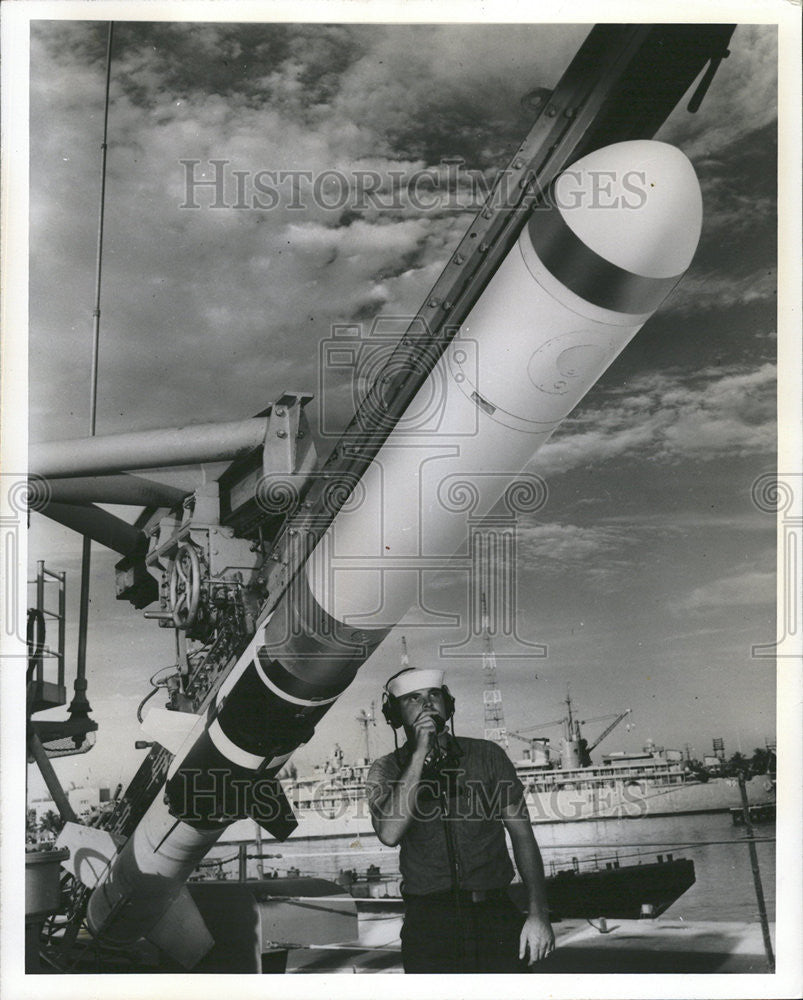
(587, 272)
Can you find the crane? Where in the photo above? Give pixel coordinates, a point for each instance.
(573, 729)
(565, 720)
(610, 728)
(532, 740)
(539, 725)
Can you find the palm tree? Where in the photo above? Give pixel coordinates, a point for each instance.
(761, 760)
(31, 829)
(51, 823)
(738, 764)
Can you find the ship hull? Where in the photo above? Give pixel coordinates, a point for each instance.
(619, 800)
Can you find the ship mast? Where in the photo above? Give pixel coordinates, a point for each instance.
(571, 755)
(572, 730)
(492, 696)
(367, 719)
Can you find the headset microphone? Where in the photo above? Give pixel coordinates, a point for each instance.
(436, 754)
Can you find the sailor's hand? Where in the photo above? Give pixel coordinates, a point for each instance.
(537, 939)
(425, 731)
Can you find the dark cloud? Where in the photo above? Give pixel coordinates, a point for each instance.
(740, 200)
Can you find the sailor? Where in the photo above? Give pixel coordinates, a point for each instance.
(447, 803)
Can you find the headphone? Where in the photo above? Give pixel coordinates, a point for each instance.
(391, 708)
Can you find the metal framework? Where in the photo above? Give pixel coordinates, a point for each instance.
(492, 695)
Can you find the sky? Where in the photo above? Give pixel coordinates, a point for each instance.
(648, 574)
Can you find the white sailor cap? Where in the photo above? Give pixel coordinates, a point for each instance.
(414, 680)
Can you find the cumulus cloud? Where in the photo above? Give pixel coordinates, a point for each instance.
(252, 294)
(681, 522)
(555, 548)
(747, 589)
(701, 292)
(249, 292)
(669, 417)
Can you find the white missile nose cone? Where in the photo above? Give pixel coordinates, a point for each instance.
(637, 205)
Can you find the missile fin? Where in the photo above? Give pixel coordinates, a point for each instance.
(91, 850)
(182, 932)
(171, 729)
(282, 820)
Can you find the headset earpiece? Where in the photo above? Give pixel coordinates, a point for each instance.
(391, 710)
(390, 703)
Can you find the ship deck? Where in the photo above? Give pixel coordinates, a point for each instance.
(600, 947)
(614, 947)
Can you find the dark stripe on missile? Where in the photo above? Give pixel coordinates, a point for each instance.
(300, 687)
(222, 796)
(260, 722)
(209, 790)
(588, 275)
(308, 654)
(202, 791)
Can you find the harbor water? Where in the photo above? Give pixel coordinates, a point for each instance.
(723, 889)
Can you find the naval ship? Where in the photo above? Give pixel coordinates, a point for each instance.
(561, 784)
(330, 801)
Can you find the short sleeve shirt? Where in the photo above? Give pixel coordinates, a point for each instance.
(478, 782)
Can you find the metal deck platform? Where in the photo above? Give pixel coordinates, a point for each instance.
(624, 946)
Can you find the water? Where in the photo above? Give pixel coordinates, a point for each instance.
(724, 883)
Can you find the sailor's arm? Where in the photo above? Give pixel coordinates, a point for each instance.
(392, 804)
(537, 939)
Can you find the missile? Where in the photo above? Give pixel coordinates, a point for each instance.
(615, 234)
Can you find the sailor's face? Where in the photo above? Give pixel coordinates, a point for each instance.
(428, 701)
